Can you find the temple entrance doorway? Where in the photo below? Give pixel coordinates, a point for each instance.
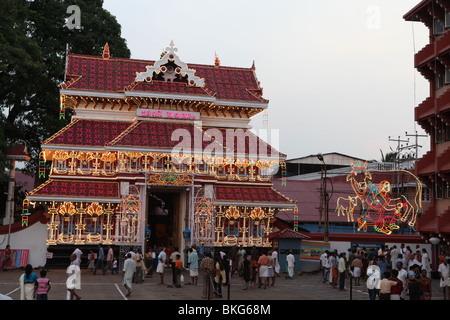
(163, 219)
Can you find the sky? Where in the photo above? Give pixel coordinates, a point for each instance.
(339, 74)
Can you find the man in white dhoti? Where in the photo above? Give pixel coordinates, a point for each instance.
(290, 259)
(129, 268)
(74, 278)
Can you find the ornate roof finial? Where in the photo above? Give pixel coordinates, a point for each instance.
(253, 65)
(161, 66)
(216, 60)
(105, 54)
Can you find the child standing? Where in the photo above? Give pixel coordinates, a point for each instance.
(115, 269)
(43, 286)
(178, 269)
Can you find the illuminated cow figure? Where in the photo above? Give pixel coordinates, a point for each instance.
(378, 209)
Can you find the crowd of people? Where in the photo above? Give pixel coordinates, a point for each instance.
(390, 273)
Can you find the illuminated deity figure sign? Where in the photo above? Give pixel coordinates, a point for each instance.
(203, 223)
(378, 209)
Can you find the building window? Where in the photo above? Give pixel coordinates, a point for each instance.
(443, 133)
(438, 27)
(447, 20)
(426, 197)
(447, 75)
(439, 80)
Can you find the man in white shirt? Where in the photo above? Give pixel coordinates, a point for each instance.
(342, 268)
(290, 259)
(394, 255)
(129, 268)
(402, 276)
(161, 262)
(325, 265)
(444, 274)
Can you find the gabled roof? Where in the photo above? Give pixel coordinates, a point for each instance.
(239, 195)
(68, 190)
(94, 73)
(82, 132)
(157, 135)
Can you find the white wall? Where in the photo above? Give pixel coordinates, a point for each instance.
(32, 238)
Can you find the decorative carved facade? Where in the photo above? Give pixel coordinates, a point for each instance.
(140, 126)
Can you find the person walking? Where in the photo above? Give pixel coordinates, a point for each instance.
(115, 267)
(91, 264)
(100, 260)
(414, 280)
(129, 268)
(276, 263)
(356, 268)
(138, 260)
(383, 264)
(334, 269)
(73, 281)
(324, 265)
(342, 268)
(402, 275)
(172, 259)
(444, 278)
(396, 291)
(43, 286)
(178, 270)
(109, 259)
(385, 286)
(208, 269)
(220, 277)
(162, 257)
(425, 283)
(246, 271)
(263, 265)
(193, 266)
(290, 260)
(148, 261)
(426, 262)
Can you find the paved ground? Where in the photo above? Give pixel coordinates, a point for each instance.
(109, 287)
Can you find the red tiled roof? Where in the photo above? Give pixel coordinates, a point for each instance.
(117, 75)
(155, 135)
(18, 153)
(253, 144)
(287, 234)
(249, 194)
(88, 133)
(77, 188)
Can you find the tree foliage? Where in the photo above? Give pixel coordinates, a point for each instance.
(34, 39)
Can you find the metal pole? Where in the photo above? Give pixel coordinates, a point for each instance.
(10, 199)
(351, 285)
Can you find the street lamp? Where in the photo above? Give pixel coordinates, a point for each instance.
(325, 193)
(435, 241)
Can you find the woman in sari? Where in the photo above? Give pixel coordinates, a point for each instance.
(27, 284)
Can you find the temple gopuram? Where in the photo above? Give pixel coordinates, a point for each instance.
(159, 153)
